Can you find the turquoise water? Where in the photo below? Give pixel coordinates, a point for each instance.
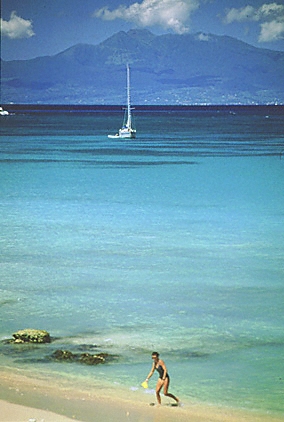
(171, 242)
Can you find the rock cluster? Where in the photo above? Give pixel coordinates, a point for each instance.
(87, 358)
(31, 336)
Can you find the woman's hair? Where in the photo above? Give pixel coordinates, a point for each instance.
(155, 354)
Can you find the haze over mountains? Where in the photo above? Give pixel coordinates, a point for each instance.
(165, 69)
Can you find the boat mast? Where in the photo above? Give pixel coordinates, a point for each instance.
(128, 124)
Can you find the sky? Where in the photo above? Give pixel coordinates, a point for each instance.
(33, 28)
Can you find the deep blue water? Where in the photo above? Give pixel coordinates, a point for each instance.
(173, 242)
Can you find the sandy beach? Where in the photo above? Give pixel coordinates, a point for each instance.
(24, 399)
(17, 413)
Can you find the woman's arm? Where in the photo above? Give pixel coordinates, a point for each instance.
(151, 372)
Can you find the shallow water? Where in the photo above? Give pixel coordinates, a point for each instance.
(170, 242)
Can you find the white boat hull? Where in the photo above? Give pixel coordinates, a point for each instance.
(127, 133)
(3, 112)
(113, 136)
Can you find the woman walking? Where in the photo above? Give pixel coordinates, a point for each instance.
(163, 380)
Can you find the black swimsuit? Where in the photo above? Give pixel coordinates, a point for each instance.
(161, 372)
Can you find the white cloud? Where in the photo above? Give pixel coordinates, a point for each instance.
(270, 14)
(16, 27)
(271, 31)
(169, 14)
(202, 37)
(245, 13)
(272, 9)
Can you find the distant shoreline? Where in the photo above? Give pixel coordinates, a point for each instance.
(67, 108)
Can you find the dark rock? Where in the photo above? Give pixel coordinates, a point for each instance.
(31, 336)
(85, 358)
(65, 355)
(89, 359)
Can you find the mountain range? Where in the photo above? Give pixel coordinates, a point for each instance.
(165, 69)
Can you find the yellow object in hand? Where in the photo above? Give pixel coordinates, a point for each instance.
(144, 384)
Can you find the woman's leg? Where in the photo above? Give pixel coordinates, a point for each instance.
(158, 389)
(166, 386)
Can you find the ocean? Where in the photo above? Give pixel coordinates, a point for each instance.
(170, 242)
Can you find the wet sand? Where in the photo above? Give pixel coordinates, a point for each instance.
(25, 399)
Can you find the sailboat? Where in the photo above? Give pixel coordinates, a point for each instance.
(127, 131)
(3, 112)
